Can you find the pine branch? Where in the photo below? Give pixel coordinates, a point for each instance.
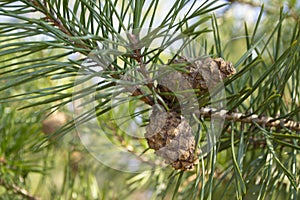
(18, 190)
(43, 8)
(243, 118)
(50, 17)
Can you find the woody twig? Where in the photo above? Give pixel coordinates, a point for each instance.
(240, 117)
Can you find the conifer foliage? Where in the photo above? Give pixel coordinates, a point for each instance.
(190, 97)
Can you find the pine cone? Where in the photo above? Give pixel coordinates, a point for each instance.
(201, 75)
(206, 74)
(170, 135)
(54, 122)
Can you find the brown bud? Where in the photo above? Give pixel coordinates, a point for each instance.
(54, 122)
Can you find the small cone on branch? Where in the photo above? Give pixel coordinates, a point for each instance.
(207, 73)
(170, 135)
(201, 75)
(54, 122)
(76, 158)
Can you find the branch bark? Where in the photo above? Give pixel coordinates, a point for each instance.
(240, 117)
(18, 190)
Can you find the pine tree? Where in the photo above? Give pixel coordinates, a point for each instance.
(131, 99)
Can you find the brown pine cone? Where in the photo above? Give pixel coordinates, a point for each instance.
(200, 75)
(206, 74)
(54, 122)
(170, 135)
